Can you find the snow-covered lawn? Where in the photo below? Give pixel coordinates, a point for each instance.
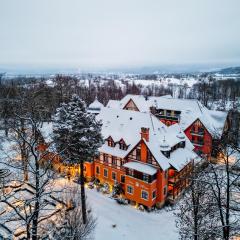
(130, 223)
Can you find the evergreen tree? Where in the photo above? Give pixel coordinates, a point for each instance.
(77, 135)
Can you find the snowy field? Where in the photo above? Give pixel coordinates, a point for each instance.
(131, 224)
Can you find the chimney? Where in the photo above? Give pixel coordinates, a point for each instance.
(145, 133)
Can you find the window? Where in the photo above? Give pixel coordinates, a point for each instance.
(122, 179)
(105, 158)
(154, 194)
(138, 154)
(105, 173)
(149, 156)
(145, 177)
(97, 170)
(130, 172)
(122, 145)
(114, 176)
(110, 143)
(129, 189)
(168, 113)
(144, 195)
(114, 161)
(165, 191)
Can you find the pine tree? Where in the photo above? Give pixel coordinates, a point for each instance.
(77, 135)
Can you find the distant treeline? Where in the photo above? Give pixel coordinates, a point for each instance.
(38, 97)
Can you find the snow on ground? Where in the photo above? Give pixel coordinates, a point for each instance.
(131, 224)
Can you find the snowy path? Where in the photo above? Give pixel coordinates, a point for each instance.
(130, 223)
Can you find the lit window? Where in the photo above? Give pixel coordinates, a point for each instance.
(105, 173)
(130, 189)
(144, 195)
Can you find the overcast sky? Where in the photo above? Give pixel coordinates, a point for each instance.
(119, 33)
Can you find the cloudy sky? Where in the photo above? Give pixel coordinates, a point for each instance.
(119, 33)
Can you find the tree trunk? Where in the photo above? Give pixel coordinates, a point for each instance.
(83, 199)
(37, 205)
(28, 232)
(24, 151)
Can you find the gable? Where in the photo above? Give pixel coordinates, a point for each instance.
(131, 106)
(199, 123)
(133, 154)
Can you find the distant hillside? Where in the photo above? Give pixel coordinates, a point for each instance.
(230, 70)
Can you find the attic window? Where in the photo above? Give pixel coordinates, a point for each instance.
(122, 145)
(110, 142)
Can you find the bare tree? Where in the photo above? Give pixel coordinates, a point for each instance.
(68, 224)
(195, 218)
(30, 202)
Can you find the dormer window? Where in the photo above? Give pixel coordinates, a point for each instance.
(122, 145)
(110, 142)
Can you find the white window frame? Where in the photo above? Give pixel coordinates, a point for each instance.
(142, 195)
(131, 188)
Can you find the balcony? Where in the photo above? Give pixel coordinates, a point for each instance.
(166, 117)
(199, 133)
(197, 143)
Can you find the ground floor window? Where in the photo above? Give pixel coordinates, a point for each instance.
(130, 189)
(97, 170)
(154, 194)
(114, 176)
(144, 195)
(105, 173)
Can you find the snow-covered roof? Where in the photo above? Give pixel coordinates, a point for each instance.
(190, 109)
(126, 125)
(181, 157)
(144, 168)
(142, 103)
(95, 106)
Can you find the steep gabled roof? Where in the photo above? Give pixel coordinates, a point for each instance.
(142, 103)
(126, 124)
(190, 109)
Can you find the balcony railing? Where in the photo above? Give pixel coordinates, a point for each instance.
(197, 143)
(175, 118)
